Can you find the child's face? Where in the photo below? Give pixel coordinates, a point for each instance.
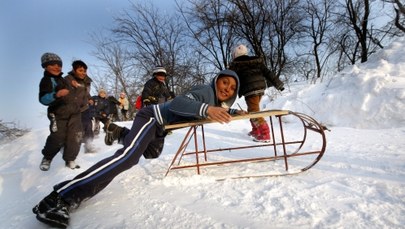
(80, 72)
(226, 87)
(54, 69)
(161, 77)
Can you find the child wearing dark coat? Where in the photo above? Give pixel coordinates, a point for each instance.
(254, 77)
(146, 137)
(57, 94)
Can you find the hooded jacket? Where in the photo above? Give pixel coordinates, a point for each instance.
(194, 104)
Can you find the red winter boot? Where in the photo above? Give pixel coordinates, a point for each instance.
(255, 131)
(264, 133)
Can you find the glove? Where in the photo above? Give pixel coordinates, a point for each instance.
(150, 100)
(146, 102)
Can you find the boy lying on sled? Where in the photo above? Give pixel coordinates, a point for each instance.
(146, 137)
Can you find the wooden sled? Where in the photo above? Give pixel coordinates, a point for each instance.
(290, 151)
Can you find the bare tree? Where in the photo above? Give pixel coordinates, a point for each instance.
(318, 25)
(400, 13)
(358, 14)
(286, 27)
(155, 39)
(9, 131)
(207, 23)
(269, 27)
(399, 9)
(251, 20)
(119, 74)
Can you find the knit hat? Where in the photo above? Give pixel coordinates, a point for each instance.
(159, 70)
(50, 58)
(241, 50)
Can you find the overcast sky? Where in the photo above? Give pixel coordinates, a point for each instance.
(30, 28)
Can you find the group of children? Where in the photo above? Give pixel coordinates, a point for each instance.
(72, 110)
(246, 76)
(66, 99)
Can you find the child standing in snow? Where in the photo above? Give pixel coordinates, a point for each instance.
(146, 137)
(254, 78)
(124, 106)
(81, 82)
(63, 113)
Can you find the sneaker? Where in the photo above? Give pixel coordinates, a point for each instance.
(53, 210)
(113, 133)
(45, 164)
(72, 165)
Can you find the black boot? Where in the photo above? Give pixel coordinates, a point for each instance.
(53, 210)
(113, 132)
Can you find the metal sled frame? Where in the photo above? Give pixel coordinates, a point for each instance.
(277, 148)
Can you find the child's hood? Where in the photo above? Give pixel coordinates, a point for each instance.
(227, 72)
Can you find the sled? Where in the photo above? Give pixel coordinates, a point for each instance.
(297, 143)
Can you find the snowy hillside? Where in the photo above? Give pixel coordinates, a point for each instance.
(359, 182)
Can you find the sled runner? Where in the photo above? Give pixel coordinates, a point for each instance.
(297, 143)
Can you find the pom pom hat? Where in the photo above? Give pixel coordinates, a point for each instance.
(241, 50)
(49, 58)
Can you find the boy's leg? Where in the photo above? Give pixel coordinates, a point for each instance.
(260, 129)
(53, 144)
(96, 178)
(96, 126)
(73, 141)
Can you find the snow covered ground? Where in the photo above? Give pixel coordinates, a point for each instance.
(359, 182)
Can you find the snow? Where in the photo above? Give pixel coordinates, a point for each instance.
(358, 183)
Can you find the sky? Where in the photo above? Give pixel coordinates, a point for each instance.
(358, 183)
(31, 28)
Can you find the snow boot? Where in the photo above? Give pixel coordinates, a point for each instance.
(45, 164)
(264, 133)
(53, 210)
(255, 131)
(113, 132)
(72, 165)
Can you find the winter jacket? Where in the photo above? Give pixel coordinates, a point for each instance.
(112, 105)
(62, 107)
(194, 104)
(101, 106)
(123, 103)
(254, 76)
(81, 93)
(155, 92)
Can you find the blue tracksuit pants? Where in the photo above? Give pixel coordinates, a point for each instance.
(146, 134)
